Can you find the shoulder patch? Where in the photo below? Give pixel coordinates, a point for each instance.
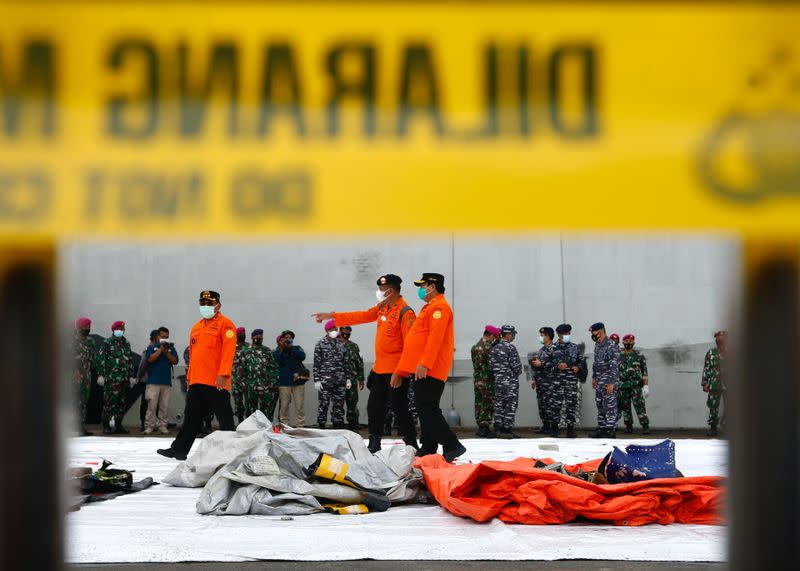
(437, 314)
(230, 334)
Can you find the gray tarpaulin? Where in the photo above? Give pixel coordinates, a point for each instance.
(256, 470)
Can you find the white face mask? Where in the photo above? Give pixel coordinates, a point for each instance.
(541, 339)
(381, 296)
(566, 338)
(206, 311)
(333, 334)
(119, 333)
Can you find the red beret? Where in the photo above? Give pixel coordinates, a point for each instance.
(629, 337)
(117, 325)
(82, 322)
(240, 330)
(614, 337)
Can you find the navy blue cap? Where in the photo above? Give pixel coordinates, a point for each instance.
(597, 326)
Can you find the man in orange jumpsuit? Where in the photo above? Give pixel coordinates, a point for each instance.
(212, 346)
(394, 318)
(428, 356)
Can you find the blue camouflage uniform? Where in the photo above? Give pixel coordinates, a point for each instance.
(329, 369)
(548, 381)
(605, 370)
(565, 388)
(506, 368)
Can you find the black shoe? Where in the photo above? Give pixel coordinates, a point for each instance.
(424, 452)
(611, 433)
(85, 432)
(450, 455)
(353, 426)
(552, 429)
(571, 432)
(645, 430)
(321, 425)
(107, 428)
(514, 434)
(121, 430)
(628, 429)
(503, 433)
(599, 433)
(542, 429)
(483, 432)
(712, 431)
(374, 444)
(171, 425)
(170, 453)
(338, 425)
(411, 442)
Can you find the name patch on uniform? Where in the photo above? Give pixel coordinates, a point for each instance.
(437, 314)
(229, 334)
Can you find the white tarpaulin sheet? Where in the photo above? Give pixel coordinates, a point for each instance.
(161, 524)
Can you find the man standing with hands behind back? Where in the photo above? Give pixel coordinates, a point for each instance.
(212, 345)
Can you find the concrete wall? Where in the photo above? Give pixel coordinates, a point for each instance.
(673, 293)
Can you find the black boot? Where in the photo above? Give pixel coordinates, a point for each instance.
(503, 433)
(646, 429)
(374, 444)
(338, 425)
(599, 433)
(611, 433)
(552, 429)
(542, 429)
(411, 442)
(483, 432)
(628, 428)
(321, 425)
(571, 431)
(353, 426)
(121, 429)
(712, 431)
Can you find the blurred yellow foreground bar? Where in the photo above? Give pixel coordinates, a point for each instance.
(256, 118)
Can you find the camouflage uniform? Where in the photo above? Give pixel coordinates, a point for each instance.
(261, 379)
(632, 369)
(506, 368)
(714, 379)
(329, 369)
(578, 394)
(565, 387)
(535, 374)
(85, 353)
(241, 403)
(115, 364)
(484, 382)
(548, 383)
(605, 369)
(354, 372)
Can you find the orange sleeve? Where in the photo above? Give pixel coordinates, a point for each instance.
(438, 329)
(346, 319)
(228, 349)
(408, 321)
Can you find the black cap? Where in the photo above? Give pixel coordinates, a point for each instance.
(345, 328)
(547, 331)
(209, 295)
(430, 278)
(389, 279)
(286, 332)
(507, 329)
(154, 333)
(597, 326)
(257, 332)
(564, 328)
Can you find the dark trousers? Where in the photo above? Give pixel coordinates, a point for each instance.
(380, 392)
(201, 401)
(435, 430)
(137, 391)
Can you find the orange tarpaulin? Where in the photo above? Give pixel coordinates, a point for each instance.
(516, 492)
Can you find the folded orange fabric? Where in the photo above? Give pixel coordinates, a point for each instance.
(516, 492)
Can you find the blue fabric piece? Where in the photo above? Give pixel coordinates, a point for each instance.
(288, 363)
(639, 462)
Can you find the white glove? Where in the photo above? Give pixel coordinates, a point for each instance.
(101, 381)
(133, 381)
(318, 385)
(645, 391)
(348, 384)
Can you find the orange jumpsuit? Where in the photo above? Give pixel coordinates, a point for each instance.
(212, 346)
(431, 341)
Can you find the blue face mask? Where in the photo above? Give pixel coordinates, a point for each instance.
(421, 293)
(566, 338)
(119, 333)
(207, 311)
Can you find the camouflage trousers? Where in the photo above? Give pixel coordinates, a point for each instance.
(632, 396)
(506, 399)
(264, 399)
(240, 399)
(331, 395)
(83, 389)
(351, 400)
(484, 402)
(578, 404)
(606, 406)
(540, 400)
(550, 396)
(391, 421)
(563, 398)
(115, 392)
(713, 402)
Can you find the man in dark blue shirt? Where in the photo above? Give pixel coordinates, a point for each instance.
(289, 358)
(161, 356)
